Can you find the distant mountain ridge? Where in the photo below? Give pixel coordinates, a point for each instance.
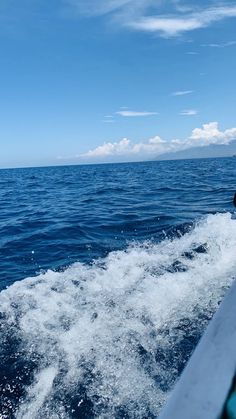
(213, 150)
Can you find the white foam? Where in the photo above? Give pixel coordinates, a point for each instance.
(37, 394)
(102, 325)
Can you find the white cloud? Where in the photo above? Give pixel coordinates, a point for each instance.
(220, 45)
(182, 92)
(189, 112)
(148, 16)
(108, 119)
(210, 134)
(135, 113)
(125, 147)
(169, 25)
(109, 149)
(199, 137)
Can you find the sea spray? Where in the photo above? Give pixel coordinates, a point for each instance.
(109, 339)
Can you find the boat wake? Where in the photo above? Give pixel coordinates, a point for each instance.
(109, 339)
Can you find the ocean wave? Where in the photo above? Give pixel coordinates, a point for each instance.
(109, 339)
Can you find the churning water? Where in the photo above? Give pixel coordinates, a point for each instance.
(124, 267)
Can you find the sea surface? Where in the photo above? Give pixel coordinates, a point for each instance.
(109, 276)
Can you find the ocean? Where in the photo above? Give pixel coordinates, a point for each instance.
(109, 277)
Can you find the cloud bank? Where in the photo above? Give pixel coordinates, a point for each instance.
(206, 135)
(210, 134)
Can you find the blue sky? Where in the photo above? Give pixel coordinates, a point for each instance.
(114, 80)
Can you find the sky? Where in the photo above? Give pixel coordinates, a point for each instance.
(87, 81)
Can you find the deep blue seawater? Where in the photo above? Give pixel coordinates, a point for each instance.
(126, 263)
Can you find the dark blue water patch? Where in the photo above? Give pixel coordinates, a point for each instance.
(85, 212)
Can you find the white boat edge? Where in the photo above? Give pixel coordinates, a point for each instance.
(203, 387)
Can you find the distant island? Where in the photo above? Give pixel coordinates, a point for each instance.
(213, 150)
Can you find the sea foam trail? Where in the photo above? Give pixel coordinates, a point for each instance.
(109, 340)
